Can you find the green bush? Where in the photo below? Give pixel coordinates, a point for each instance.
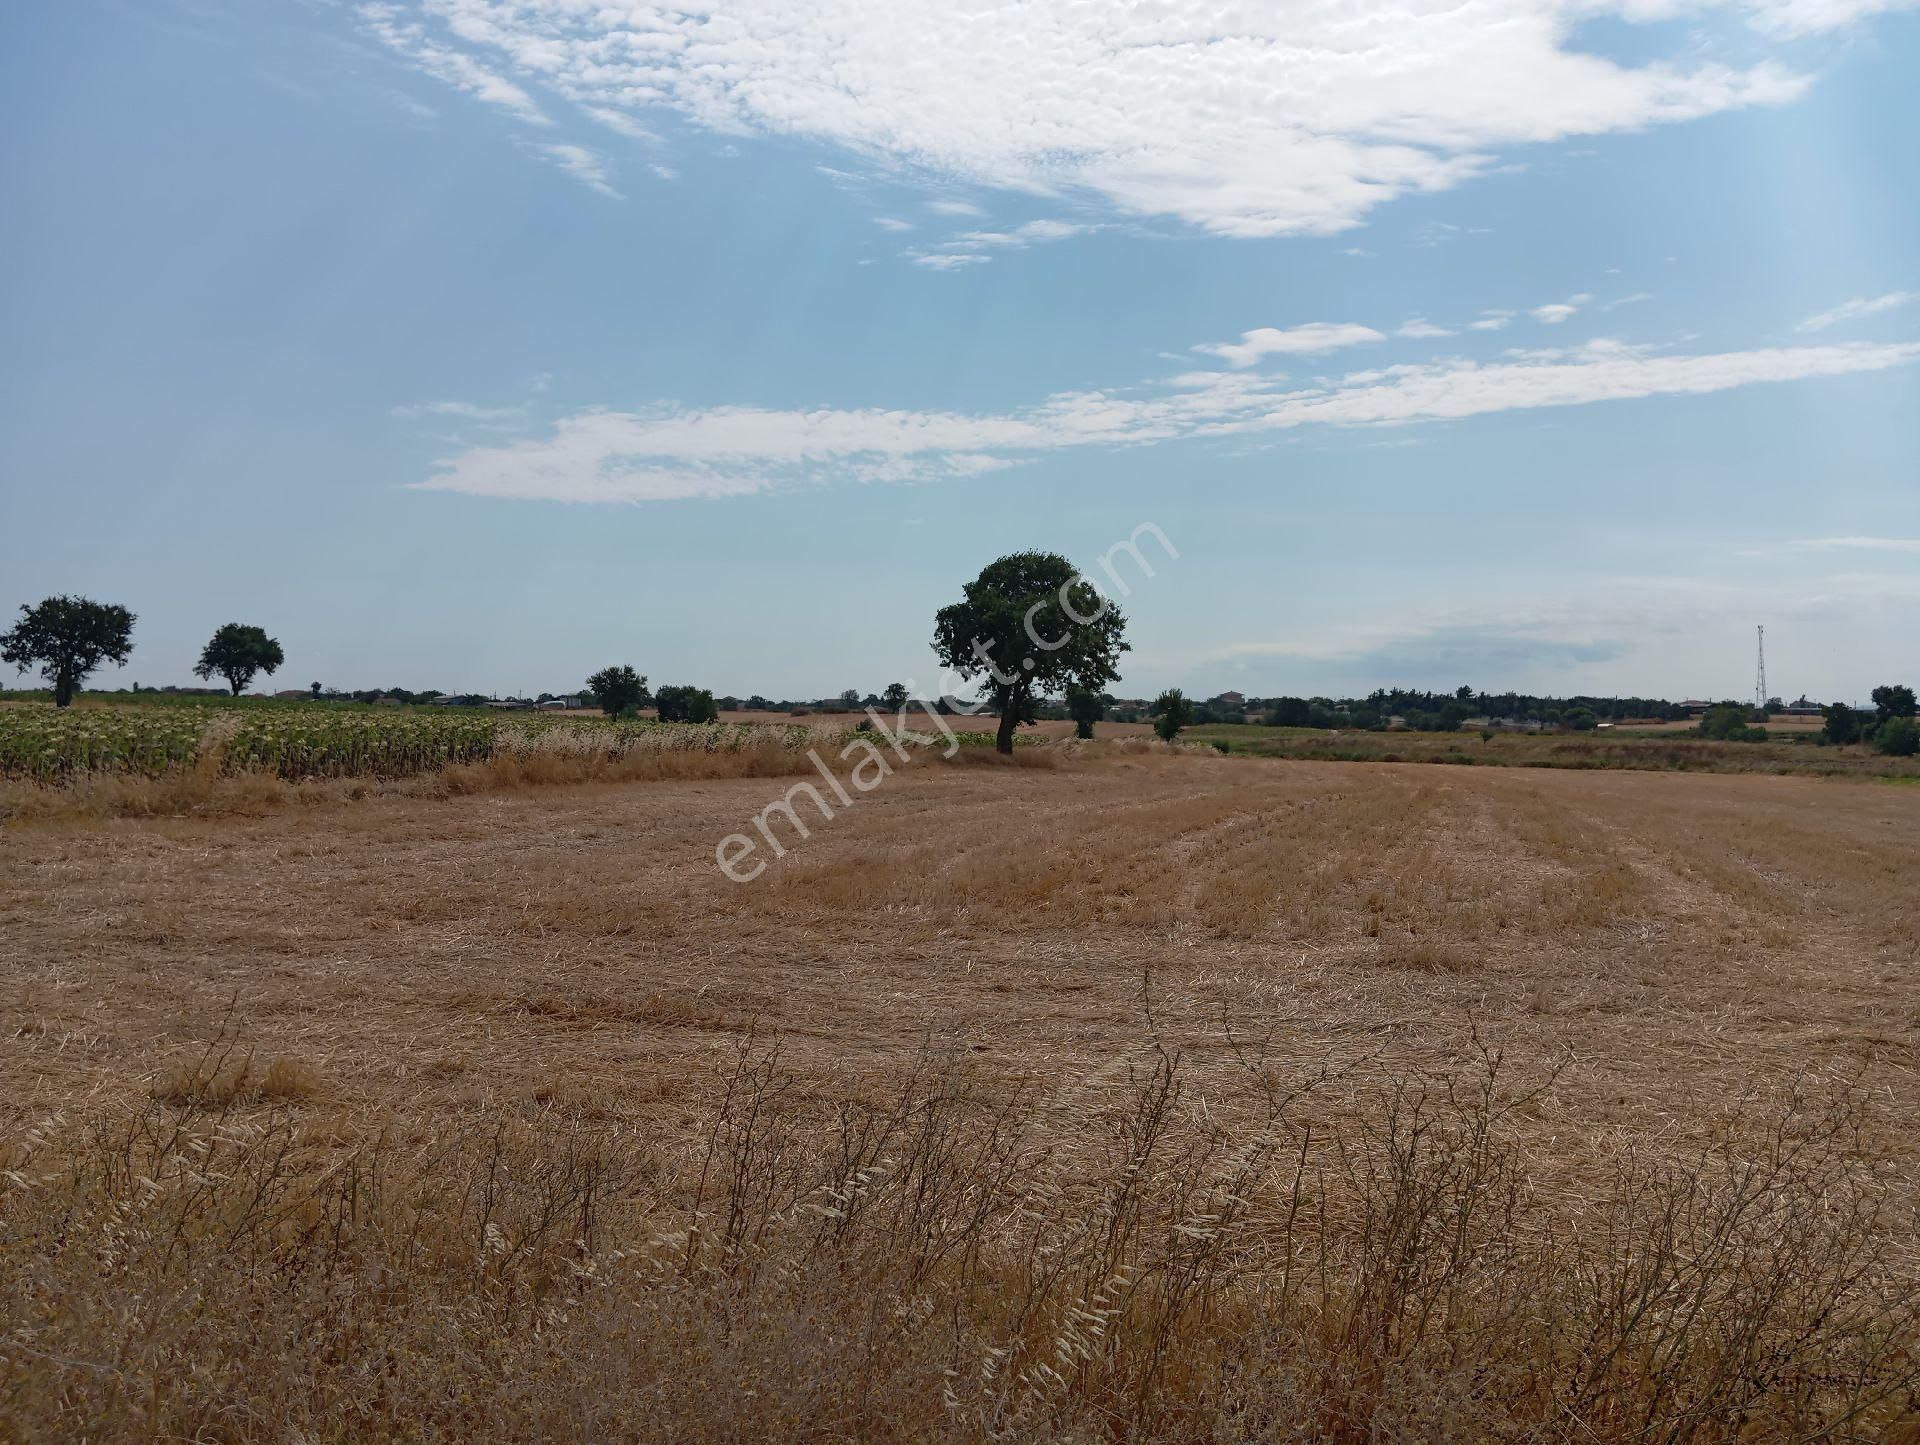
(1897, 738)
(1172, 712)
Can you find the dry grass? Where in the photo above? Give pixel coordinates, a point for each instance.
(1130, 1094)
(1649, 749)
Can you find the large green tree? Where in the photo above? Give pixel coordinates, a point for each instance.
(236, 652)
(1029, 626)
(67, 638)
(686, 704)
(616, 689)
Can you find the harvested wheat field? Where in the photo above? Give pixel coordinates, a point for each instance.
(1114, 1096)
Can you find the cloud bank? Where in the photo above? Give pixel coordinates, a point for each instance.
(1241, 117)
(667, 453)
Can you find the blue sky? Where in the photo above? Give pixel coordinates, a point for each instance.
(475, 345)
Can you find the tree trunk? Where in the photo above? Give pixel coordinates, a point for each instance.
(1004, 743)
(62, 688)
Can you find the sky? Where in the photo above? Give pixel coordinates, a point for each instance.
(1548, 345)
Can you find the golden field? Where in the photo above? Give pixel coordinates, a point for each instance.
(1098, 1094)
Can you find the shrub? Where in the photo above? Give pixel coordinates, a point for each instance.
(1171, 713)
(1842, 726)
(1897, 738)
(1727, 722)
(687, 705)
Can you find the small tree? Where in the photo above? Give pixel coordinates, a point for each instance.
(615, 690)
(67, 638)
(895, 697)
(236, 652)
(1086, 707)
(685, 705)
(314, 690)
(1031, 625)
(1580, 719)
(1842, 725)
(1895, 700)
(1171, 712)
(1897, 738)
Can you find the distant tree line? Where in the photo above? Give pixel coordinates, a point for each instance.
(1040, 638)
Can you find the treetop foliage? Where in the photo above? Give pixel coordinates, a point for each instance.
(236, 652)
(67, 638)
(1031, 625)
(616, 690)
(685, 704)
(1171, 713)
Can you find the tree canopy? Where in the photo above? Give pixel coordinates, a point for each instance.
(1841, 725)
(67, 638)
(686, 704)
(1894, 700)
(1030, 625)
(236, 652)
(615, 690)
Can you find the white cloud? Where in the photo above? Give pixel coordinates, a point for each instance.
(1805, 17)
(954, 208)
(620, 122)
(414, 108)
(1860, 306)
(1048, 230)
(892, 223)
(962, 249)
(1492, 321)
(668, 452)
(1861, 544)
(466, 410)
(1309, 340)
(583, 165)
(1241, 117)
(1555, 312)
(947, 260)
(455, 67)
(1418, 328)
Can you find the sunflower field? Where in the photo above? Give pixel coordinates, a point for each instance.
(41, 743)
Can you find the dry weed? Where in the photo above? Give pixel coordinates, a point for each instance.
(954, 1259)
